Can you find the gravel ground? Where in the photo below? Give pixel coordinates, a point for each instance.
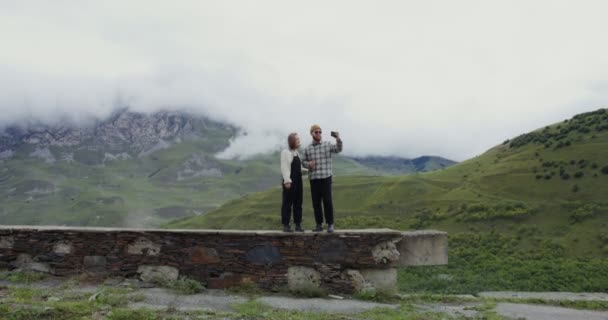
(219, 300)
(161, 299)
(452, 309)
(558, 296)
(345, 306)
(538, 312)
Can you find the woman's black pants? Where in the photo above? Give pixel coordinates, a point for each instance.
(292, 199)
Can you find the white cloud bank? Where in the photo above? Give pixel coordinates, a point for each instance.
(406, 78)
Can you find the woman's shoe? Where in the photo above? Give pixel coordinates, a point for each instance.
(287, 228)
(299, 228)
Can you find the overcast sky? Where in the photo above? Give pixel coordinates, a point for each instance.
(407, 78)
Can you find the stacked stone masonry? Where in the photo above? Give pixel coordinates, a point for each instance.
(343, 262)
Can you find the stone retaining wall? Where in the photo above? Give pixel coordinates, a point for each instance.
(343, 262)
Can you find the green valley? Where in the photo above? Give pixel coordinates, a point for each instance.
(138, 170)
(530, 201)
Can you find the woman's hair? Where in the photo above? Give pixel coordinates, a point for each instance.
(291, 140)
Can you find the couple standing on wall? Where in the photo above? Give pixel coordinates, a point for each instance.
(317, 161)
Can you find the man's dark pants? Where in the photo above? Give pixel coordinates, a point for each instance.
(320, 190)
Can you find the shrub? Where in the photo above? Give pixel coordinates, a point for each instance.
(575, 188)
(505, 210)
(187, 286)
(183, 285)
(584, 212)
(424, 217)
(605, 170)
(604, 237)
(579, 174)
(583, 165)
(565, 176)
(25, 276)
(481, 262)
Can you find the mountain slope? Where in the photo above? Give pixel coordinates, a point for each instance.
(132, 169)
(551, 184)
(114, 172)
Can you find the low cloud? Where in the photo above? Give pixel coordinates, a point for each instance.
(404, 78)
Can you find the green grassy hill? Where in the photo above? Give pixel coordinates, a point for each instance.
(134, 170)
(182, 180)
(536, 198)
(399, 166)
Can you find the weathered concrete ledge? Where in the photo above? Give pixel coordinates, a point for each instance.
(346, 261)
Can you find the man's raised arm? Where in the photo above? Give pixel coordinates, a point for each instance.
(337, 148)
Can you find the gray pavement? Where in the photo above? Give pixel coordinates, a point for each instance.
(555, 296)
(540, 312)
(345, 306)
(161, 299)
(218, 300)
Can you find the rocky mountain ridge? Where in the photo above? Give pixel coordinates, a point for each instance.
(124, 131)
(132, 169)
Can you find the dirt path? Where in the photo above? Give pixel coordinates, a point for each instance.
(219, 300)
(556, 296)
(537, 312)
(467, 307)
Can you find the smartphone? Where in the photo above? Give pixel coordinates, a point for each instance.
(334, 134)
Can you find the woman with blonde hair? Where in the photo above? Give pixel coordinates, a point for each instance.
(292, 171)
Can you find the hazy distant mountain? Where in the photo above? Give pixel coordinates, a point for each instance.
(396, 165)
(123, 134)
(135, 169)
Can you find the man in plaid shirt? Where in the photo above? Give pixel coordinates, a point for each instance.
(317, 158)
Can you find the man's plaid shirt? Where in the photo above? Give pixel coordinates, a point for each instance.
(321, 154)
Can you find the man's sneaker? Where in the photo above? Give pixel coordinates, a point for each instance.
(299, 228)
(318, 228)
(330, 228)
(287, 228)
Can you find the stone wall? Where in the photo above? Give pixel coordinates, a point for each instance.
(343, 262)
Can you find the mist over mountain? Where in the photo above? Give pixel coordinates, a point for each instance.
(448, 80)
(139, 169)
(123, 134)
